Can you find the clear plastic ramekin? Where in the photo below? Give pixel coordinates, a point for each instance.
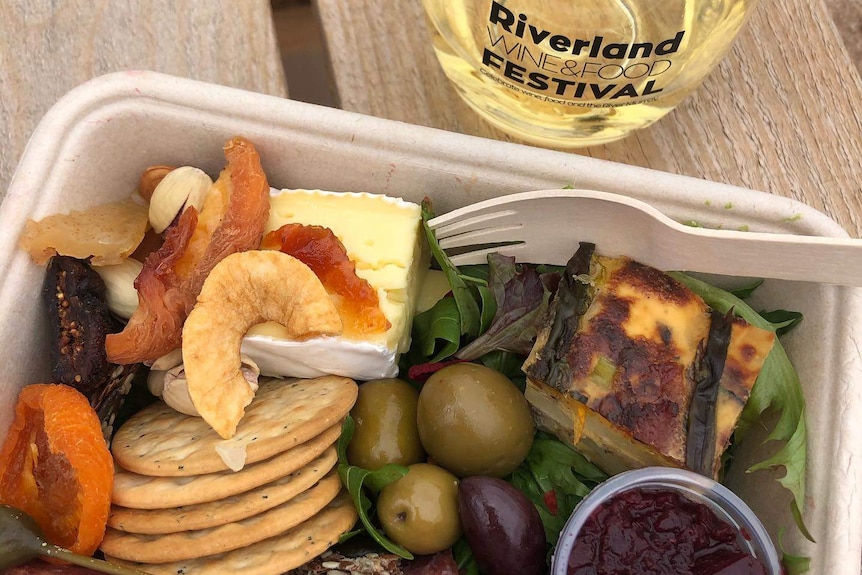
(723, 502)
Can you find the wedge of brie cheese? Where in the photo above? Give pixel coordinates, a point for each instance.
(382, 237)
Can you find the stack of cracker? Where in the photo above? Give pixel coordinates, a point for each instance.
(178, 507)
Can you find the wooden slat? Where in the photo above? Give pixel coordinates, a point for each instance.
(48, 48)
(780, 114)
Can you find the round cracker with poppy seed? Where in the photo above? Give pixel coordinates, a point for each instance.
(227, 510)
(192, 544)
(146, 492)
(273, 556)
(284, 413)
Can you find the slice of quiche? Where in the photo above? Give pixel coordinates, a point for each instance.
(634, 369)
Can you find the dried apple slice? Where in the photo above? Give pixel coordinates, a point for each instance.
(231, 220)
(242, 290)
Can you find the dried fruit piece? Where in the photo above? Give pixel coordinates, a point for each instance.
(245, 289)
(75, 299)
(107, 233)
(319, 248)
(55, 466)
(231, 220)
(79, 320)
(110, 397)
(155, 327)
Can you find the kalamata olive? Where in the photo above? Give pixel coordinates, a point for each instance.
(385, 418)
(502, 526)
(474, 421)
(420, 510)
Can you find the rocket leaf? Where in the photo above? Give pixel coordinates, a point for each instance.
(470, 317)
(555, 472)
(437, 331)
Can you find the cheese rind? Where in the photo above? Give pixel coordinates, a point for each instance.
(381, 236)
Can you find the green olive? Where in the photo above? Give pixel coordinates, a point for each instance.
(474, 421)
(420, 510)
(385, 418)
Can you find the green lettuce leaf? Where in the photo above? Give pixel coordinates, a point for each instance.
(777, 388)
(782, 319)
(464, 558)
(356, 480)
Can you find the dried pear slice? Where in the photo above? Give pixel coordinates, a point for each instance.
(107, 233)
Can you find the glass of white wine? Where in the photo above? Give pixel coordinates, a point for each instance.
(569, 73)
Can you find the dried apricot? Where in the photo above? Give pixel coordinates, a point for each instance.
(320, 249)
(56, 467)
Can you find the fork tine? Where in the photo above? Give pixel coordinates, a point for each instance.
(480, 236)
(444, 227)
(480, 256)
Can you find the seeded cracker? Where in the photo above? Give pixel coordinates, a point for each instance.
(191, 544)
(144, 492)
(272, 556)
(227, 510)
(285, 413)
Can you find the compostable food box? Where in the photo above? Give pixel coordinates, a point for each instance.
(92, 146)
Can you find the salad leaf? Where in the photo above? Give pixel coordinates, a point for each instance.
(555, 478)
(468, 309)
(777, 387)
(792, 564)
(507, 363)
(521, 300)
(464, 558)
(355, 480)
(475, 273)
(437, 331)
(743, 292)
(489, 307)
(783, 320)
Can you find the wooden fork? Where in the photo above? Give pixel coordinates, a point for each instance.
(546, 227)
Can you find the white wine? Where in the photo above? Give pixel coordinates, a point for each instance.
(573, 73)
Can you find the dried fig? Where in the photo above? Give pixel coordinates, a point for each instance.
(79, 321)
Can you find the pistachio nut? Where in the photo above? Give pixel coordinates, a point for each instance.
(172, 387)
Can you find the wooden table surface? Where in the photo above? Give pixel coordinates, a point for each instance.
(780, 114)
(48, 48)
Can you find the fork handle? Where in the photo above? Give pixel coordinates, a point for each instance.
(777, 256)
